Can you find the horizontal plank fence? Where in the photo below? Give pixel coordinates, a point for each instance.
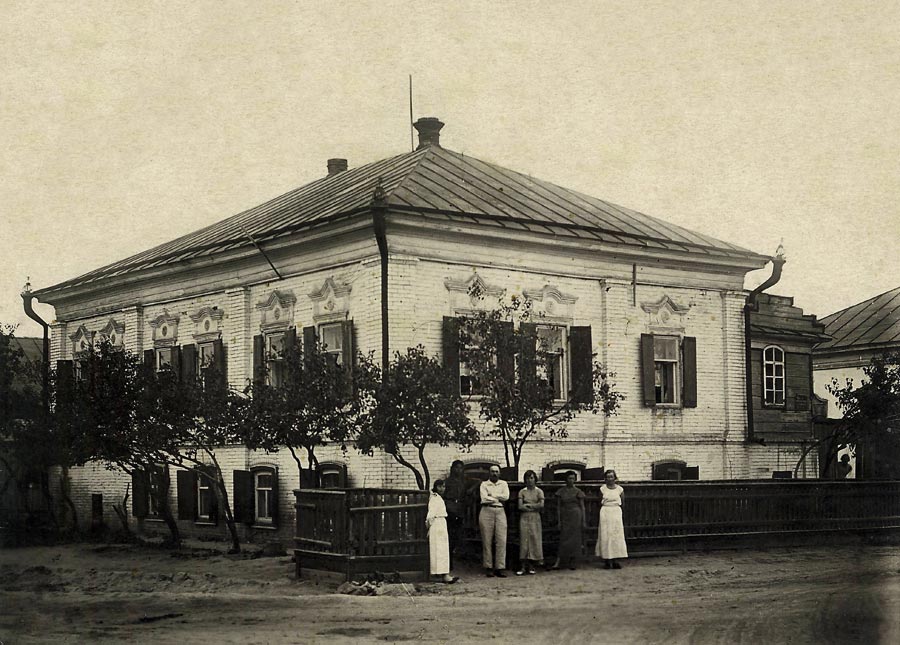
(359, 531)
(682, 515)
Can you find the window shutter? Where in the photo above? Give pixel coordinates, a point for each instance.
(691, 473)
(509, 473)
(506, 354)
(546, 474)
(291, 377)
(592, 474)
(275, 499)
(65, 377)
(150, 358)
(176, 361)
(188, 363)
(527, 354)
(648, 371)
(581, 358)
(140, 493)
(309, 341)
(186, 483)
(244, 511)
(308, 478)
(347, 344)
(689, 356)
(220, 364)
(290, 340)
(214, 495)
(259, 363)
(451, 348)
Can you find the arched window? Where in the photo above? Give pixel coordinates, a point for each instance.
(773, 375)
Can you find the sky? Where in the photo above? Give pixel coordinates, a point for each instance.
(124, 125)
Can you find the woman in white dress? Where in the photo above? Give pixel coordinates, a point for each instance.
(611, 537)
(438, 539)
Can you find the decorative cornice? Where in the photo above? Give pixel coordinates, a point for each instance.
(337, 289)
(165, 329)
(550, 291)
(477, 283)
(284, 298)
(81, 339)
(212, 312)
(654, 307)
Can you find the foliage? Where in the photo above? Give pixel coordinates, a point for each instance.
(415, 404)
(319, 404)
(511, 365)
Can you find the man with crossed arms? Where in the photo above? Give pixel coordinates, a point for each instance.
(492, 522)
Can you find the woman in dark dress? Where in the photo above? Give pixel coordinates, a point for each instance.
(570, 505)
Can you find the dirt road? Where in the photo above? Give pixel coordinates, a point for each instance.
(81, 594)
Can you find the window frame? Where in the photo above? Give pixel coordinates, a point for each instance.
(336, 353)
(274, 360)
(775, 377)
(157, 356)
(271, 500)
(154, 483)
(561, 393)
(204, 484)
(676, 364)
(473, 393)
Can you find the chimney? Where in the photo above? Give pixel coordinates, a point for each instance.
(336, 165)
(429, 129)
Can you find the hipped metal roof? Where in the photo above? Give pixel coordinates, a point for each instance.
(432, 182)
(869, 324)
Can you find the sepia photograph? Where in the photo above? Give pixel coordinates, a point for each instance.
(467, 322)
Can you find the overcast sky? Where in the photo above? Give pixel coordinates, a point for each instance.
(124, 125)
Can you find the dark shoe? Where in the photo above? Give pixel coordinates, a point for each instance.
(572, 568)
(608, 564)
(616, 565)
(489, 573)
(499, 573)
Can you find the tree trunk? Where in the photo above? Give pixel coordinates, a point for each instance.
(64, 493)
(420, 482)
(165, 509)
(122, 514)
(226, 508)
(427, 485)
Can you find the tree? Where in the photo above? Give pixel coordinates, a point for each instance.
(871, 421)
(516, 365)
(318, 404)
(415, 404)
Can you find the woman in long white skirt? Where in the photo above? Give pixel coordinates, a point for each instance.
(611, 536)
(438, 539)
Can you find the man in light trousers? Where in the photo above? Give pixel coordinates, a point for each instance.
(492, 521)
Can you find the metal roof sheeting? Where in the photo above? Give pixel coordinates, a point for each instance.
(432, 180)
(873, 322)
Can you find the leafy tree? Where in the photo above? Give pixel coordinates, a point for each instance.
(415, 404)
(318, 404)
(871, 421)
(515, 366)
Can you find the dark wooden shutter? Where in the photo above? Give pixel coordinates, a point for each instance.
(450, 342)
(150, 358)
(220, 362)
(506, 352)
(290, 340)
(176, 361)
(592, 474)
(140, 493)
(309, 341)
(347, 344)
(243, 497)
(509, 473)
(186, 483)
(648, 371)
(689, 356)
(581, 357)
(259, 360)
(213, 481)
(65, 378)
(308, 478)
(546, 474)
(527, 353)
(290, 366)
(188, 363)
(691, 473)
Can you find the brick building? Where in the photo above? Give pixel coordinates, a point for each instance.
(376, 257)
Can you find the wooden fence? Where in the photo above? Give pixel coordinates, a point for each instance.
(361, 530)
(699, 515)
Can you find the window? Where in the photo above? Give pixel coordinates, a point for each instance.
(332, 338)
(157, 475)
(674, 470)
(264, 486)
(478, 469)
(332, 475)
(773, 375)
(275, 359)
(469, 385)
(665, 359)
(205, 499)
(206, 353)
(164, 359)
(552, 369)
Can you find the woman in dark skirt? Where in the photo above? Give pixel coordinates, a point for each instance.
(570, 505)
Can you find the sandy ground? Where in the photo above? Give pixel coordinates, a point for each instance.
(91, 593)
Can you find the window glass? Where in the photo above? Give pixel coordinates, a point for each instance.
(264, 496)
(204, 498)
(332, 339)
(156, 484)
(331, 477)
(551, 369)
(665, 356)
(275, 359)
(468, 383)
(164, 358)
(773, 375)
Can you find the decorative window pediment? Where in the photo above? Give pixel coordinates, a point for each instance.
(207, 324)
(665, 314)
(82, 339)
(165, 329)
(277, 310)
(114, 332)
(331, 301)
(551, 304)
(471, 294)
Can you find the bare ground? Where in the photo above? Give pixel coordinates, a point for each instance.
(90, 593)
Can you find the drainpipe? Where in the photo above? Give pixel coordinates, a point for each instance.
(27, 299)
(379, 208)
(751, 306)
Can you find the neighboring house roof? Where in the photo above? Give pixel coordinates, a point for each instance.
(432, 182)
(32, 348)
(871, 324)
